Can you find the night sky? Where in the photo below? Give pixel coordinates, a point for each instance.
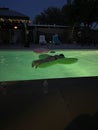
(31, 7)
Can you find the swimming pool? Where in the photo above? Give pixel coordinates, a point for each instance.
(17, 65)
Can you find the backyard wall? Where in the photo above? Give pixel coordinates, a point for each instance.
(64, 33)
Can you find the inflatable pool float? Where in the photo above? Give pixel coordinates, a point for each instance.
(41, 50)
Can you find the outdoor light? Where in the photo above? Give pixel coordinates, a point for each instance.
(15, 27)
(1, 19)
(10, 20)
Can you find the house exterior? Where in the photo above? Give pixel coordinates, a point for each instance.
(13, 26)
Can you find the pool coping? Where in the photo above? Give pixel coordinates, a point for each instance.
(54, 47)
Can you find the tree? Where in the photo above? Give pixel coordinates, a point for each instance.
(85, 12)
(75, 12)
(67, 14)
(51, 15)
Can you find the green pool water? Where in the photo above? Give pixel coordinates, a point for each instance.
(17, 65)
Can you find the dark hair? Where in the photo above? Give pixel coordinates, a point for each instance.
(62, 55)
